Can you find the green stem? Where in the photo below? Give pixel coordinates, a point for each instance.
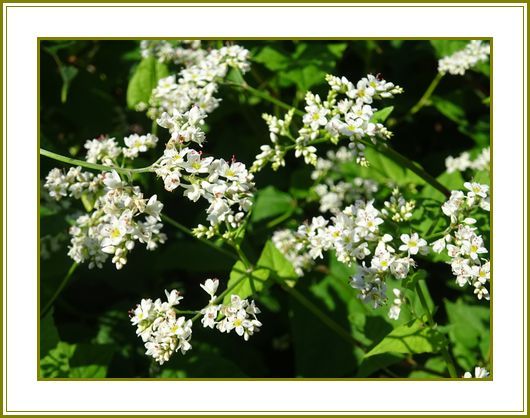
(189, 232)
(154, 128)
(404, 161)
(430, 320)
(93, 166)
(244, 259)
(186, 312)
(427, 95)
(50, 303)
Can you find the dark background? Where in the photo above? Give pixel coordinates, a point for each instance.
(91, 312)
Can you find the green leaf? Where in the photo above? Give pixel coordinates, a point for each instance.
(382, 115)
(47, 211)
(57, 362)
(272, 58)
(452, 181)
(468, 332)
(445, 47)
(87, 202)
(234, 75)
(372, 364)
(434, 367)
(483, 68)
(412, 338)
(304, 68)
(450, 110)
(77, 361)
(271, 202)
(245, 283)
(482, 177)
(271, 262)
(144, 80)
(271, 258)
(383, 169)
(304, 77)
(319, 351)
(480, 132)
(90, 361)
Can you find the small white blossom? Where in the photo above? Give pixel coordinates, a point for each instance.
(461, 61)
(480, 373)
(210, 286)
(413, 244)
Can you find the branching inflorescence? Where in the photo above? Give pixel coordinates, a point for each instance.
(165, 331)
(346, 112)
(363, 222)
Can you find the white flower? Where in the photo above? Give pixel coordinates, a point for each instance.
(112, 180)
(210, 286)
(480, 373)
(315, 116)
(209, 316)
(476, 191)
(413, 244)
(195, 164)
(153, 207)
(135, 144)
(173, 297)
(239, 315)
(439, 245)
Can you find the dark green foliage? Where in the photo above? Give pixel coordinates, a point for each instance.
(313, 326)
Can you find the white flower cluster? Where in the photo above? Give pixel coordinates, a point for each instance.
(332, 162)
(102, 149)
(227, 186)
(397, 208)
(480, 373)
(74, 183)
(461, 61)
(107, 150)
(135, 144)
(198, 82)
(113, 226)
(186, 52)
(461, 241)
(165, 333)
(334, 196)
(331, 119)
(160, 329)
(387, 263)
(464, 161)
(292, 245)
(238, 315)
(355, 234)
(278, 127)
